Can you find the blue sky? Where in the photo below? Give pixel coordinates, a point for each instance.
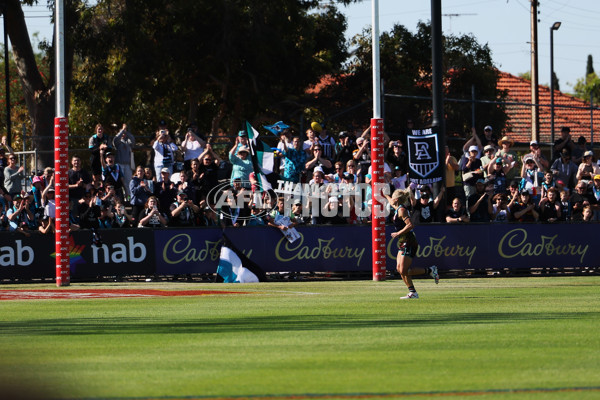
(503, 24)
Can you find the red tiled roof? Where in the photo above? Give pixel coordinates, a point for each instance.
(519, 117)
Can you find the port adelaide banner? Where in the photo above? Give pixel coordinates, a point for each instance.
(425, 166)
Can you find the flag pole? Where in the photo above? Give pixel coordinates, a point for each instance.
(377, 149)
(61, 156)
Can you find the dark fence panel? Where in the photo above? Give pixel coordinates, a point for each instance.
(128, 252)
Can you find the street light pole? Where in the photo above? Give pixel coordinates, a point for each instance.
(553, 28)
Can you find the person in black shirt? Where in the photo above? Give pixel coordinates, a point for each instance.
(580, 199)
(550, 207)
(480, 203)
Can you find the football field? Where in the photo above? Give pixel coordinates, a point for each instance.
(494, 338)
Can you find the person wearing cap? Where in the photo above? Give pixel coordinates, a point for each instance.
(479, 204)
(563, 142)
(183, 211)
(13, 176)
(588, 168)
(489, 154)
(532, 176)
(395, 155)
(407, 242)
(239, 155)
(565, 170)
(345, 148)
(488, 137)
(112, 174)
(362, 156)
(496, 173)
(523, 210)
(509, 157)
(165, 191)
(536, 154)
(424, 206)
(472, 170)
(97, 143)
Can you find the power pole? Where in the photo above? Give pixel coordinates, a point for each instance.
(535, 118)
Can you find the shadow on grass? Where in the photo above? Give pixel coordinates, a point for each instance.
(143, 325)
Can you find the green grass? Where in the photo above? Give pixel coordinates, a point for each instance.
(317, 338)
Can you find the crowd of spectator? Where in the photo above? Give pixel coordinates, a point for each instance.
(174, 187)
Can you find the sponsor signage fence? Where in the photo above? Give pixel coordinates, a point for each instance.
(320, 248)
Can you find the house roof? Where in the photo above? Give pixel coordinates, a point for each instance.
(568, 111)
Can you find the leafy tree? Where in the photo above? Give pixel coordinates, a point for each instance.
(555, 81)
(214, 63)
(38, 88)
(589, 68)
(406, 69)
(590, 85)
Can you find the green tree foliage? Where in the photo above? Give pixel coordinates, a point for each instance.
(406, 69)
(217, 63)
(590, 85)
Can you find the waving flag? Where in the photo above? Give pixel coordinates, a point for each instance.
(263, 158)
(235, 267)
(276, 128)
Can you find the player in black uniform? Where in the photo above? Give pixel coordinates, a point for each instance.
(407, 243)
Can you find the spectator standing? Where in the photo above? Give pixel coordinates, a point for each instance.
(345, 148)
(509, 157)
(20, 217)
(451, 168)
(488, 137)
(294, 161)
(13, 176)
(326, 142)
(79, 182)
(122, 218)
(112, 174)
(588, 168)
(140, 191)
(565, 170)
(242, 164)
(123, 144)
(536, 154)
(395, 155)
(497, 175)
(311, 140)
(472, 171)
(489, 152)
(579, 150)
(480, 203)
(207, 175)
(90, 210)
(318, 160)
(362, 157)
(165, 191)
(97, 143)
(532, 176)
(563, 142)
(164, 153)
(424, 206)
(192, 147)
